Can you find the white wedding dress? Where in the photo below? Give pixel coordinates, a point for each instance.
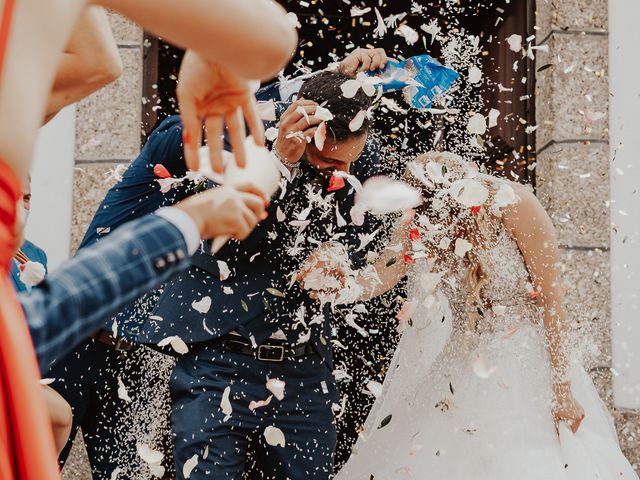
(474, 404)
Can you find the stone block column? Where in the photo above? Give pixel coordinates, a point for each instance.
(572, 175)
(108, 133)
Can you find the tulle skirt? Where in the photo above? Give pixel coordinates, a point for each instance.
(481, 410)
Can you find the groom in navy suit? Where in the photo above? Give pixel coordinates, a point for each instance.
(248, 327)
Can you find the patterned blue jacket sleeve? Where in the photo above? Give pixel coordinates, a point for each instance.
(75, 300)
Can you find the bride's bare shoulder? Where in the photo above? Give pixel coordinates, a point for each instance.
(527, 212)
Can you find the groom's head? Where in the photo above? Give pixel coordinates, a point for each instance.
(342, 146)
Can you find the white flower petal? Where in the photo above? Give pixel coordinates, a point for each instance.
(122, 391)
(148, 454)
(381, 195)
(350, 88)
(462, 247)
(381, 28)
(203, 305)
(357, 121)
(271, 134)
(357, 12)
(469, 192)
(477, 124)
(179, 346)
(493, 117)
(409, 34)
(189, 465)
(32, 273)
(253, 405)
(274, 436)
(224, 270)
(320, 136)
(323, 114)
(225, 404)
(276, 386)
(475, 75)
(505, 196)
(515, 42)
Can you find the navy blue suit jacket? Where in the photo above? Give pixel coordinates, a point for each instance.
(259, 296)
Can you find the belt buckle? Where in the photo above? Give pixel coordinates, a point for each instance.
(270, 353)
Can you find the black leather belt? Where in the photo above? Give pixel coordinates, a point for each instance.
(271, 351)
(119, 344)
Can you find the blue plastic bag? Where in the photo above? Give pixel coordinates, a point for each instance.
(422, 76)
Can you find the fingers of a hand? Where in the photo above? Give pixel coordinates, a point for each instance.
(383, 58)
(310, 133)
(214, 126)
(302, 125)
(256, 127)
(236, 137)
(191, 131)
(365, 61)
(250, 221)
(255, 203)
(241, 226)
(376, 61)
(380, 54)
(249, 187)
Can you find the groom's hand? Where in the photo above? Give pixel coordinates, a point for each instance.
(297, 126)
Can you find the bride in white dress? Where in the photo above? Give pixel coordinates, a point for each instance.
(481, 385)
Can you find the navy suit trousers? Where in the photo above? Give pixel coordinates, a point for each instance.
(228, 447)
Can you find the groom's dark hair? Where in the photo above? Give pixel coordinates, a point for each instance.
(324, 89)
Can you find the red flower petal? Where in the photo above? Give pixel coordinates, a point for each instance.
(476, 210)
(161, 171)
(408, 259)
(414, 234)
(336, 183)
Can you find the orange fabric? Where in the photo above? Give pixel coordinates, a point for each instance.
(27, 449)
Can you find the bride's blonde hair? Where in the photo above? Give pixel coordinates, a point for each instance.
(459, 220)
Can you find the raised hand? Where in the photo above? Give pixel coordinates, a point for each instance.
(325, 271)
(226, 211)
(296, 130)
(566, 408)
(363, 60)
(210, 93)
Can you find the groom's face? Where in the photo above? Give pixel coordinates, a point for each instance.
(335, 156)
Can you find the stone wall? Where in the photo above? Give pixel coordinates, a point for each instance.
(572, 173)
(107, 135)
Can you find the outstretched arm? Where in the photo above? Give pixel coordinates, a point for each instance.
(253, 38)
(389, 268)
(535, 235)
(369, 282)
(89, 62)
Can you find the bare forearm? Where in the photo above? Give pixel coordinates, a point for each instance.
(536, 238)
(89, 62)
(388, 269)
(253, 38)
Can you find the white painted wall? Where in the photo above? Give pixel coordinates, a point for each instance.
(624, 72)
(52, 187)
